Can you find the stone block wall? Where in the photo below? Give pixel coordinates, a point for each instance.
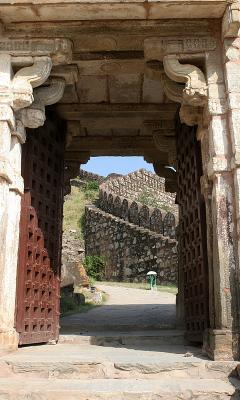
(130, 250)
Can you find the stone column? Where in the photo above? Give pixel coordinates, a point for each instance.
(218, 341)
(16, 189)
(231, 64)
(7, 126)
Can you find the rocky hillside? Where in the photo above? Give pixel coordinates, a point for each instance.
(83, 191)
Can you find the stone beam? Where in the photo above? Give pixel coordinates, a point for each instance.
(15, 12)
(91, 143)
(77, 112)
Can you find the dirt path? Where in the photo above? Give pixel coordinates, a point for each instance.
(126, 309)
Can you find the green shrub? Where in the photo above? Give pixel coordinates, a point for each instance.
(95, 267)
(91, 185)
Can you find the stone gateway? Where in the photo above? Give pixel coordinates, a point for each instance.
(159, 79)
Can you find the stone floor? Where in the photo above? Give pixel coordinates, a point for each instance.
(126, 309)
(136, 364)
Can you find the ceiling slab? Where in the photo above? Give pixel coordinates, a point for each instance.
(43, 10)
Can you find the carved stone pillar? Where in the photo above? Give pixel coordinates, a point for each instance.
(12, 231)
(16, 93)
(205, 103)
(230, 60)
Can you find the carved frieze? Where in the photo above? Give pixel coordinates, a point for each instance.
(156, 48)
(60, 50)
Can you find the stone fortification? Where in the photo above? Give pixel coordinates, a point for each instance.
(136, 184)
(133, 237)
(130, 251)
(84, 177)
(152, 218)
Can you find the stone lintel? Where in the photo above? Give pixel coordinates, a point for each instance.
(93, 111)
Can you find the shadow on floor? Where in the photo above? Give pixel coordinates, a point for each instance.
(122, 317)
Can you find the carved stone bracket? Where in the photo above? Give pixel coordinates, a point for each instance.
(28, 78)
(182, 83)
(195, 91)
(34, 116)
(174, 91)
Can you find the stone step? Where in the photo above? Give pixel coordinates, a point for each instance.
(111, 338)
(118, 389)
(91, 362)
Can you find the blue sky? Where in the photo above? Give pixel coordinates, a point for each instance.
(120, 165)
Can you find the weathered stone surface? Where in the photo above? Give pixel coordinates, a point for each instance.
(130, 251)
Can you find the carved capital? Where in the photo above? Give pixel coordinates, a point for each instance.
(195, 91)
(28, 78)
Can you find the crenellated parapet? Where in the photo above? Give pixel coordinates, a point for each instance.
(152, 218)
(137, 183)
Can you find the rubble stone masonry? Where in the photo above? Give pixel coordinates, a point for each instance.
(133, 237)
